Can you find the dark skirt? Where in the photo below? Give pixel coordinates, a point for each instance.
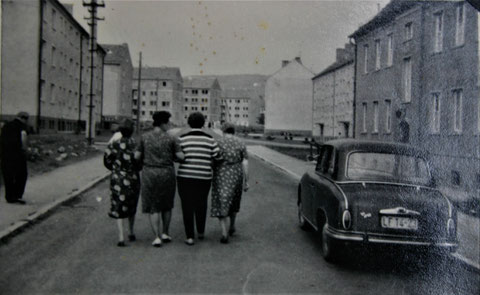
(158, 189)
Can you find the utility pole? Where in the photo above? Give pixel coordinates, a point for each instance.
(92, 22)
(139, 92)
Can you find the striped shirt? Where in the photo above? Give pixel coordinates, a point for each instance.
(200, 150)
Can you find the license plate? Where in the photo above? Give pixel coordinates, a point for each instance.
(399, 222)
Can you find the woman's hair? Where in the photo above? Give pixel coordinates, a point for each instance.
(126, 128)
(196, 120)
(160, 118)
(228, 128)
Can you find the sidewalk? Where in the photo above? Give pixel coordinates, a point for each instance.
(46, 191)
(468, 230)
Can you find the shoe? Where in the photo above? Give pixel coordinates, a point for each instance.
(166, 238)
(19, 201)
(132, 238)
(157, 242)
(224, 240)
(201, 236)
(231, 232)
(189, 242)
(121, 244)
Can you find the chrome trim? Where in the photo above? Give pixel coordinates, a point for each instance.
(399, 210)
(316, 228)
(450, 211)
(337, 186)
(344, 237)
(363, 182)
(402, 242)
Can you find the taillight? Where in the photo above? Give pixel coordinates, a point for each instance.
(346, 219)
(451, 230)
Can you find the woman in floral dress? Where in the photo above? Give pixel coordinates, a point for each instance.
(122, 159)
(159, 150)
(230, 178)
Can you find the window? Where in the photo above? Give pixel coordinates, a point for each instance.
(54, 16)
(364, 118)
(53, 57)
(375, 116)
(438, 32)
(143, 113)
(52, 93)
(186, 99)
(143, 103)
(195, 91)
(407, 79)
(378, 53)
(435, 116)
(457, 106)
(408, 31)
(388, 116)
(460, 25)
(186, 108)
(456, 179)
(186, 91)
(143, 93)
(61, 25)
(390, 50)
(205, 91)
(164, 84)
(365, 59)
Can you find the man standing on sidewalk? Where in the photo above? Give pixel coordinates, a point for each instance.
(14, 157)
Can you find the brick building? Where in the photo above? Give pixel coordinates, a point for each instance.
(161, 89)
(45, 66)
(333, 97)
(288, 99)
(420, 60)
(118, 74)
(202, 94)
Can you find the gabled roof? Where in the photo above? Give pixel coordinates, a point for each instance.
(289, 64)
(200, 82)
(117, 54)
(333, 67)
(162, 73)
(385, 16)
(235, 93)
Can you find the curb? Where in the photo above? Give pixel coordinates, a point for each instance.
(43, 211)
(467, 263)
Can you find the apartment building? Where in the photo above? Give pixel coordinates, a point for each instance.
(161, 90)
(202, 94)
(46, 66)
(236, 106)
(420, 61)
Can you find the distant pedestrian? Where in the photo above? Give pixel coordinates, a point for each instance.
(195, 175)
(230, 177)
(403, 127)
(123, 159)
(159, 150)
(14, 158)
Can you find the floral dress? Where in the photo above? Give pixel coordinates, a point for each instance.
(158, 176)
(124, 180)
(227, 183)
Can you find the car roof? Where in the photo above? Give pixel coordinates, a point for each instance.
(347, 145)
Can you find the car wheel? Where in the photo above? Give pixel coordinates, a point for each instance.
(301, 220)
(328, 249)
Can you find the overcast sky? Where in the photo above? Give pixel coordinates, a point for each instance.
(230, 37)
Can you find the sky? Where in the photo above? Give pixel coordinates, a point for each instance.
(230, 37)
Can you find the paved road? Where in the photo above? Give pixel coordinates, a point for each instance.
(74, 250)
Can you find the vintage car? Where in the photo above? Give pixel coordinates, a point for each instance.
(363, 193)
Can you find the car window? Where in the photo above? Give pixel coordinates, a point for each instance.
(390, 167)
(325, 162)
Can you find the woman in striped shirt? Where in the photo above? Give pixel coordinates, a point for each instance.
(194, 175)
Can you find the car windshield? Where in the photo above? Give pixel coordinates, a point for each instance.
(388, 167)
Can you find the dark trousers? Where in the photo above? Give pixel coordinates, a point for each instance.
(194, 196)
(15, 179)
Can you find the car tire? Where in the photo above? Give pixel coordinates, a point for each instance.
(302, 222)
(329, 251)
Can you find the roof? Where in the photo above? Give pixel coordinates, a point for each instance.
(236, 93)
(385, 16)
(162, 73)
(289, 64)
(335, 66)
(70, 16)
(349, 144)
(116, 54)
(201, 82)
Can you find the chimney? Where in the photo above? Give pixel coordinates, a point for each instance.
(69, 8)
(284, 63)
(341, 54)
(298, 59)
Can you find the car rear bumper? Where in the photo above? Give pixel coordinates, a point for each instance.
(365, 238)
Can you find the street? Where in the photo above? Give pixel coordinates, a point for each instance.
(74, 251)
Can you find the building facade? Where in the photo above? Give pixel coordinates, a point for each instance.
(236, 107)
(202, 94)
(46, 66)
(333, 97)
(161, 90)
(118, 74)
(288, 100)
(420, 61)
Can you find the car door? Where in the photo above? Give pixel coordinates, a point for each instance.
(323, 185)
